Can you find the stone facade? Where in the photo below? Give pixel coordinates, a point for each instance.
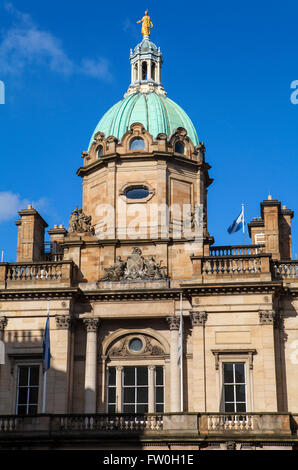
(131, 292)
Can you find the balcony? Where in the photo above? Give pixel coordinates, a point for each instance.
(37, 274)
(59, 429)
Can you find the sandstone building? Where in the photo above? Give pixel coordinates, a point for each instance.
(134, 261)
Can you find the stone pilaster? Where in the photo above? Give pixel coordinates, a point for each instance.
(3, 323)
(91, 325)
(267, 319)
(61, 365)
(151, 398)
(174, 323)
(198, 320)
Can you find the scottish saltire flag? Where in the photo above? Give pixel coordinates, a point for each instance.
(46, 352)
(238, 223)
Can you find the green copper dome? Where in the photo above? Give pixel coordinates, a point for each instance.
(156, 112)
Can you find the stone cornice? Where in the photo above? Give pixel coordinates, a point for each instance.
(31, 293)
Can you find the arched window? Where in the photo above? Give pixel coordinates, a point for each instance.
(144, 70)
(179, 147)
(137, 144)
(99, 151)
(153, 71)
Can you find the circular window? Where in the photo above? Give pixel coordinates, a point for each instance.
(135, 345)
(137, 192)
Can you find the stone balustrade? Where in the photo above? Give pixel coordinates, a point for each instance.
(24, 275)
(105, 422)
(232, 265)
(286, 269)
(10, 423)
(236, 250)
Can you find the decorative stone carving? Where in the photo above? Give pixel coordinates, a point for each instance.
(231, 445)
(91, 324)
(267, 317)
(80, 222)
(3, 323)
(149, 349)
(136, 267)
(174, 322)
(198, 318)
(63, 322)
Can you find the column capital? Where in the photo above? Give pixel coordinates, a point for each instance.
(3, 323)
(267, 317)
(91, 324)
(174, 322)
(63, 322)
(151, 367)
(198, 318)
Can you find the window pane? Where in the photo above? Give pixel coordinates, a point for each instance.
(128, 408)
(137, 144)
(112, 395)
(241, 407)
(22, 410)
(129, 395)
(159, 375)
(23, 376)
(142, 408)
(240, 392)
(32, 410)
(112, 409)
(142, 395)
(229, 407)
(129, 375)
(229, 393)
(239, 373)
(112, 376)
(136, 344)
(228, 372)
(159, 395)
(142, 375)
(159, 408)
(33, 396)
(137, 193)
(23, 396)
(34, 375)
(179, 147)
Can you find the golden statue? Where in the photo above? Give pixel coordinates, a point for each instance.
(147, 24)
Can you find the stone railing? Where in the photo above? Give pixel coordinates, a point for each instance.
(246, 423)
(105, 422)
(23, 275)
(192, 424)
(285, 269)
(236, 250)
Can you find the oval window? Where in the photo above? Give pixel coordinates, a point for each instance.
(135, 345)
(179, 147)
(138, 192)
(137, 144)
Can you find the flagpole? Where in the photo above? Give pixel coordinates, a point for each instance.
(181, 361)
(45, 369)
(243, 223)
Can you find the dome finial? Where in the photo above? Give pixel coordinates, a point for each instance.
(146, 25)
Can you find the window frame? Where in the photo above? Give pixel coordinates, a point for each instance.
(234, 384)
(18, 365)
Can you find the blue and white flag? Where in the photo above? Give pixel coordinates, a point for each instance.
(46, 351)
(238, 223)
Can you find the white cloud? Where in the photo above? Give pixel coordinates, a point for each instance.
(11, 203)
(25, 44)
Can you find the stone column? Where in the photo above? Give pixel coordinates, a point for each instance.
(3, 323)
(119, 370)
(149, 69)
(151, 383)
(91, 325)
(139, 70)
(174, 323)
(61, 366)
(267, 318)
(198, 399)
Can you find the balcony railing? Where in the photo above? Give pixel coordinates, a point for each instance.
(236, 250)
(286, 269)
(13, 275)
(192, 424)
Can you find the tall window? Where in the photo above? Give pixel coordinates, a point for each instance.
(234, 387)
(112, 390)
(179, 147)
(135, 389)
(100, 151)
(159, 389)
(27, 390)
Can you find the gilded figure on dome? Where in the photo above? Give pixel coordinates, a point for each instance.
(146, 24)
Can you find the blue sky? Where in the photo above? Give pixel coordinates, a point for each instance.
(228, 64)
